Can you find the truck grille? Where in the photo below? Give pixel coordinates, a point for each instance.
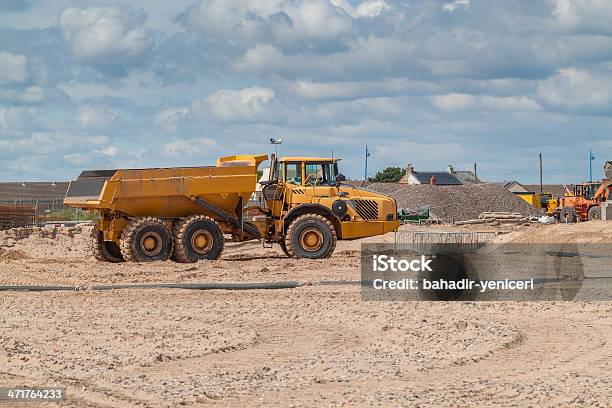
(367, 209)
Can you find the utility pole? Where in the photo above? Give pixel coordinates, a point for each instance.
(541, 186)
(367, 154)
(590, 165)
(475, 174)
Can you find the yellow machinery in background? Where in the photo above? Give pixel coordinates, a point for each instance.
(184, 213)
(544, 201)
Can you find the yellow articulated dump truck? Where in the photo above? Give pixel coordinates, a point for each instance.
(186, 213)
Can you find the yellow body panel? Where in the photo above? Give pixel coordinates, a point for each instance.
(531, 198)
(166, 192)
(361, 229)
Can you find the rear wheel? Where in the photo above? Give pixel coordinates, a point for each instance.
(197, 238)
(106, 251)
(310, 236)
(568, 215)
(146, 240)
(594, 213)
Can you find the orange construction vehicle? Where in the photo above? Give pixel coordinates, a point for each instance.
(583, 203)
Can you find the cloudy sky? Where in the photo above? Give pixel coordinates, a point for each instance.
(167, 83)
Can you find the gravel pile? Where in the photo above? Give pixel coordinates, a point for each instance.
(455, 203)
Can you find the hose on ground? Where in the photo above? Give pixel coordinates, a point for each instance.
(205, 286)
(192, 286)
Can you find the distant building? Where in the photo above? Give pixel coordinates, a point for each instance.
(465, 176)
(439, 178)
(516, 187)
(557, 190)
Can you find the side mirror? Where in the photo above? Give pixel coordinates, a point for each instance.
(339, 179)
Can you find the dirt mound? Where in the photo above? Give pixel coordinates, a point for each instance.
(12, 255)
(45, 242)
(454, 203)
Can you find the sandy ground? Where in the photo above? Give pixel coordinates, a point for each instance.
(309, 346)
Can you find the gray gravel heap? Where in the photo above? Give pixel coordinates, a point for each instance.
(454, 203)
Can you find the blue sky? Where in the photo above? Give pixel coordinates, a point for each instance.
(168, 83)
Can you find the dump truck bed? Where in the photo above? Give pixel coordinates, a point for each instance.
(166, 192)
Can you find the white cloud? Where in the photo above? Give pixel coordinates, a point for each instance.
(110, 151)
(98, 33)
(285, 23)
(96, 116)
(576, 88)
(169, 119)
(365, 58)
(31, 94)
(13, 68)
(367, 9)
(247, 103)
(17, 118)
(188, 148)
(587, 16)
(453, 101)
(454, 5)
(97, 140)
(459, 102)
(262, 58)
(361, 89)
(77, 159)
(512, 103)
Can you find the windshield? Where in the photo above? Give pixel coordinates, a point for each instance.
(320, 174)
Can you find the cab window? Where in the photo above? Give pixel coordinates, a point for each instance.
(320, 174)
(293, 173)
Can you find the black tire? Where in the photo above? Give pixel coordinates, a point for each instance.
(594, 213)
(146, 240)
(197, 238)
(284, 248)
(310, 236)
(105, 251)
(568, 215)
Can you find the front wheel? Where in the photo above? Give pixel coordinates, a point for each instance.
(594, 213)
(310, 236)
(568, 215)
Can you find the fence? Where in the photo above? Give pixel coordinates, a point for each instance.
(22, 212)
(16, 215)
(43, 205)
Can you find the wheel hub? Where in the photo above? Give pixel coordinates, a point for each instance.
(151, 243)
(311, 239)
(202, 241)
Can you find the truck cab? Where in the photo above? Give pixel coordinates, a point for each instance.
(303, 188)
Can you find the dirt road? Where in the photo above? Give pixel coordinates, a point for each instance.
(310, 346)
